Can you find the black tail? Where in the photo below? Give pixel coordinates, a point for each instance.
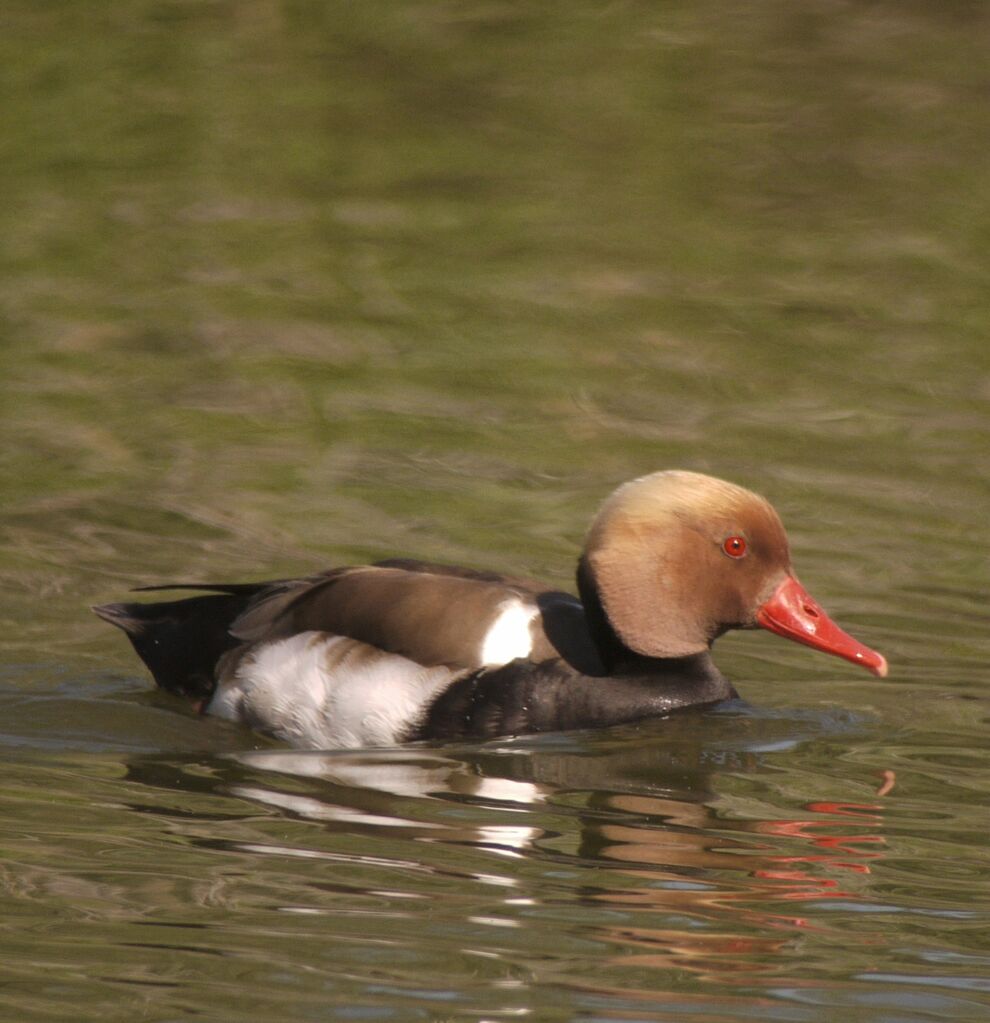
(181, 640)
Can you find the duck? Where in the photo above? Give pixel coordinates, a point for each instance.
(404, 650)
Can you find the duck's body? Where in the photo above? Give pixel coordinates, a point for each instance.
(404, 650)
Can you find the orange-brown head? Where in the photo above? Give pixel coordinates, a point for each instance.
(677, 558)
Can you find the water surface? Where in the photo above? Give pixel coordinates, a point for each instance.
(287, 285)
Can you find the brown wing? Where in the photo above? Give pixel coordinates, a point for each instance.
(429, 617)
(429, 613)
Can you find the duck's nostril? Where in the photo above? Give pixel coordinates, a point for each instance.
(810, 611)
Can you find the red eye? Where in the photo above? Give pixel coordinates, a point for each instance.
(734, 546)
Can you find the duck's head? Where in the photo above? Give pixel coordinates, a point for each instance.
(677, 558)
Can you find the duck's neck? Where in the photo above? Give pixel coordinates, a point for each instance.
(619, 659)
(610, 648)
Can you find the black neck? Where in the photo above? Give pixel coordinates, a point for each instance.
(617, 658)
(610, 648)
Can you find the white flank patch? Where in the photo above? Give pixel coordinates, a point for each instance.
(320, 691)
(509, 636)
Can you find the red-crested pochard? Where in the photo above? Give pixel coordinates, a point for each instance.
(402, 650)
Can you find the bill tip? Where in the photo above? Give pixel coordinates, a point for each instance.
(874, 663)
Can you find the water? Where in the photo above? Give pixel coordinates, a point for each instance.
(287, 285)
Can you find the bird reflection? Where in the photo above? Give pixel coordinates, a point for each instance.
(685, 873)
(739, 881)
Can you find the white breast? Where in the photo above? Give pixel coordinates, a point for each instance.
(320, 691)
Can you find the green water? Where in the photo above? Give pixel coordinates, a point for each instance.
(285, 285)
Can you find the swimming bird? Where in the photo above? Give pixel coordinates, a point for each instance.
(403, 650)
